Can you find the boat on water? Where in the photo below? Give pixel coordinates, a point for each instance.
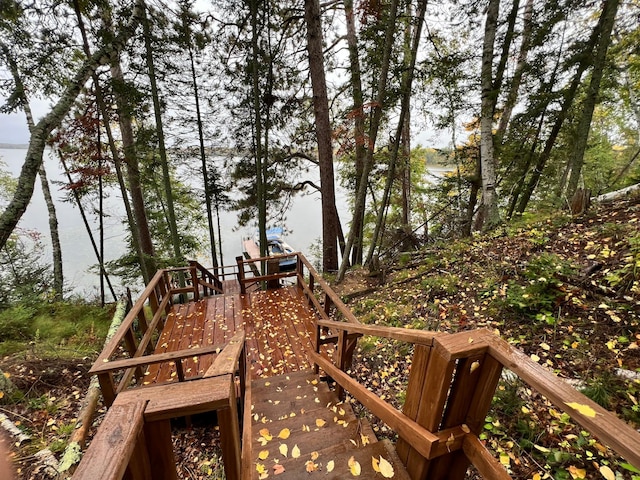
(276, 247)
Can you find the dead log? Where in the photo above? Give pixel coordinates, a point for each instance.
(618, 194)
(73, 452)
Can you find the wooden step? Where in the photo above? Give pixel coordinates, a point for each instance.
(298, 423)
(318, 463)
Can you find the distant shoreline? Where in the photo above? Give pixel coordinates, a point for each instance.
(14, 146)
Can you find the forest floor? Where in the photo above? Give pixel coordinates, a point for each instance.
(564, 290)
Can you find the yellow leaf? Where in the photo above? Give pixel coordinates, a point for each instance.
(263, 455)
(284, 433)
(354, 467)
(536, 476)
(260, 468)
(577, 472)
(505, 460)
(465, 428)
(607, 473)
(6, 374)
(1, 394)
(375, 463)
(320, 422)
(474, 366)
(386, 469)
(284, 449)
(330, 466)
(364, 439)
(295, 451)
(310, 466)
(314, 456)
(585, 410)
(265, 434)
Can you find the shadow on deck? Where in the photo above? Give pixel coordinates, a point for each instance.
(260, 358)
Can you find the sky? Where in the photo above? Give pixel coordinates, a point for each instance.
(13, 127)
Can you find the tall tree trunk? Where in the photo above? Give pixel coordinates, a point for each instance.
(58, 277)
(567, 100)
(257, 127)
(576, 161)
(135, 236)
(361, 194)
(489, 214)
(41, 130)
(357, 222)
(512, 96)
(407, 82)
(162, 151)
(203, 157)
(323, 132)
(133, 168)
(405, 136)
(88, 229)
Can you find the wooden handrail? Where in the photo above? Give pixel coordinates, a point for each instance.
(609, 429)
(227, 360)
(417, 337)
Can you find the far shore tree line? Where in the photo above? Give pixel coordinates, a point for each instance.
(176, 105)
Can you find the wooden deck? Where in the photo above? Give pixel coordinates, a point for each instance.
(230, 339)
(278, 325)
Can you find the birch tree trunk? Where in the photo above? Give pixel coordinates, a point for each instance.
(521, 63)
(41, 130)
(323, 132)
(490, 216)
(58, 277)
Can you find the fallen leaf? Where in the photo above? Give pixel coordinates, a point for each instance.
(263, 455)
(284, 433)
(265, 434)
(577, 472)
(320, 422)
(284, 449)
(585, 410)
(314, 456)
(375, 463)
(330, 466)
(364, 439)
(386, 469)
(607, 473)
(295, 451)
(278, 469)
(310, 466)
(354, 467)
(474, 366)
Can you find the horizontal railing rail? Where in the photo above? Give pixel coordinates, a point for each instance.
(451, 386)
(134, 439)
(134, 339)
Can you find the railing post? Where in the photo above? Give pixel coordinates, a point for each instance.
(243, 289)
(194, 280)
(300, 271)
(108, 388)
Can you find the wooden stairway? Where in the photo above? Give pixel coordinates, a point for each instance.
(299, 427)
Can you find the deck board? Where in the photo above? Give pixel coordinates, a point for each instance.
(278, 325)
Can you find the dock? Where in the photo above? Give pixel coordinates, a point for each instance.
(271, 355)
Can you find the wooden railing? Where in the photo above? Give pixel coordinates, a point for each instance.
(450, 390)
(135, 436)
(123, 360)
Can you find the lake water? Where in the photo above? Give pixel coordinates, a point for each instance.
(304, 224)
